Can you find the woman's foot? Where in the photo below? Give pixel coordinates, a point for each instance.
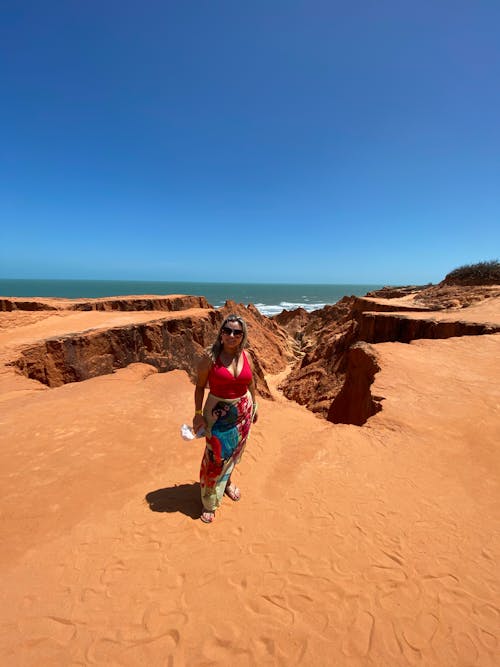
(232, 491)
(207, 516)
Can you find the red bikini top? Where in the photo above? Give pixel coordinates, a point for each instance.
(224, 384)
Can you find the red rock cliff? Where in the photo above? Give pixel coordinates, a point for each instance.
(334, 374)
(173, 341)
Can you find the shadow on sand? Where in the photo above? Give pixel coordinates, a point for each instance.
(184, 498)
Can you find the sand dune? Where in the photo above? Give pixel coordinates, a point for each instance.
(374, 545)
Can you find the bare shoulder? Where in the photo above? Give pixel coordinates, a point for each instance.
(249, 357)
(204, 363)
(203, 370)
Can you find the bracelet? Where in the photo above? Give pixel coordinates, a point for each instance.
(198, 412)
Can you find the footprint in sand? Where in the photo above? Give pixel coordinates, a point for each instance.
(419, 633)
(488, 639)
(466, 650)
(61, 630)
(359, 637)
(157, 622)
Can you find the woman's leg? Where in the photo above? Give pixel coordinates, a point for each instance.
(232, 491)
(213, 480)
(210, 472)
(223, 480)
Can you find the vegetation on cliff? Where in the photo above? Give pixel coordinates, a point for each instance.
(482, 273)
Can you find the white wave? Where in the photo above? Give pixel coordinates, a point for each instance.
(268, 310)
(289, 305)
(273, 309)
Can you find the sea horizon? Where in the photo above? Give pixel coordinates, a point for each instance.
(269, 298)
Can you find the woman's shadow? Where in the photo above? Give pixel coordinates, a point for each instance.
(183, 498)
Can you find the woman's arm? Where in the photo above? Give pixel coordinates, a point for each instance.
(251, 387)
(199, 392)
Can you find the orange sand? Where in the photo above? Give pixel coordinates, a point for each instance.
(351, 546)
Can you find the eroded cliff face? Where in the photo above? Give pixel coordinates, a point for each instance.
(318, 375)
(165, 344)
(386, 327)
(121, 303)
(354, 403)
(335, 363)
(441, 296)
(336, 369)
(169, 343)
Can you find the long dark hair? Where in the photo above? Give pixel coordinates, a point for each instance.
(215, 349)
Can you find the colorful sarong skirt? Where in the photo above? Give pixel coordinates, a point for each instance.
(228, 425)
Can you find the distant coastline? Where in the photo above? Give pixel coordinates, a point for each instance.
(269, 298)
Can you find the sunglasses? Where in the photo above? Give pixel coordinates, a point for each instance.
(234, 332)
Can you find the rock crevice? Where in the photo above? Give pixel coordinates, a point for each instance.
(387, 327)
(81, 356)
(335, 361)
(355, 404)
(336, 368)
(168, 343)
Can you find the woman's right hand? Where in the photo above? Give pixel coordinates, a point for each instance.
(198, 422)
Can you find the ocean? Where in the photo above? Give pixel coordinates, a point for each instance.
(269, 298)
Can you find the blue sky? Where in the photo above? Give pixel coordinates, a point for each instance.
(228, 141)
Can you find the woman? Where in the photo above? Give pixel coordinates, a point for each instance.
(228, 412)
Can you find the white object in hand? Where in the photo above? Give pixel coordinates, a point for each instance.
(187, 432)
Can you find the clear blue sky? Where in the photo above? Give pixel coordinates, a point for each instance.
(249, 141)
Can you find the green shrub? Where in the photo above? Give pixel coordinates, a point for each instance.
(482, 273)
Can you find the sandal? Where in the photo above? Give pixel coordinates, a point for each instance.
(207, 516)
(233, 492)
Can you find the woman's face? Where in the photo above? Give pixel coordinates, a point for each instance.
(232, 335)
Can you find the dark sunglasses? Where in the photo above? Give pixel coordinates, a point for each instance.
(235, 332)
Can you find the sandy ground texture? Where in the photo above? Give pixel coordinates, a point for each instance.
(486, 311)
(350, 546)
